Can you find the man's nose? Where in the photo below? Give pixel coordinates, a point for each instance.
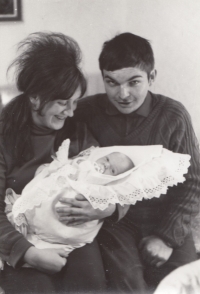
(124, 92)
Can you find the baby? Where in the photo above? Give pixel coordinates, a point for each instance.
(109, 175)
(114, 164)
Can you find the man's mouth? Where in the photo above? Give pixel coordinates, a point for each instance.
(124, 103)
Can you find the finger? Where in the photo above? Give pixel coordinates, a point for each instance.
(154, 261)
(80, 197)
(71, 219)
(69, 211)
(71, 202)
(63, 253)
(160, 263)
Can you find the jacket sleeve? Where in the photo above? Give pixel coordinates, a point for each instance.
(12, 244)
(183, 200)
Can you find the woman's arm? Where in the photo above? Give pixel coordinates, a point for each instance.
(49, 261)
(12, 244)
(14, 248)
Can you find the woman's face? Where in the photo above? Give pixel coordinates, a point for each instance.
(54, 113)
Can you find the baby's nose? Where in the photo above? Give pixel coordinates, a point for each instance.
(107, 165)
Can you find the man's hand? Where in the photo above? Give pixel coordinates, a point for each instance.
(155, 251)
(49, 261)
(79, 211)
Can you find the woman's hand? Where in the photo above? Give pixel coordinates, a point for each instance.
(79, 211)
(49, 261)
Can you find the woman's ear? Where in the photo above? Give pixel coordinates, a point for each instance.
(35, 102)
(152, 76)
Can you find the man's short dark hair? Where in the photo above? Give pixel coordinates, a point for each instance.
(127, 50)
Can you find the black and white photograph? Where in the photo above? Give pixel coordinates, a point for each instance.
(99, 147)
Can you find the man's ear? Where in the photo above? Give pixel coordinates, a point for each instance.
(35, 102)
(152, 76)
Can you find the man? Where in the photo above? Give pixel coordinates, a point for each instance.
(154, 237)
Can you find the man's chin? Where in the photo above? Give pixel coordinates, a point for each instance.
(126, 110)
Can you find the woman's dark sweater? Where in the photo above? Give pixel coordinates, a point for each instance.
(13, 245)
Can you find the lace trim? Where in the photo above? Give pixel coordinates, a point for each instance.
(148, 181)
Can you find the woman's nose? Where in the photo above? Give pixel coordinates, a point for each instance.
(124, 92)
(69, 111)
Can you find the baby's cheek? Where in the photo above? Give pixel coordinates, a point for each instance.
(108, 172)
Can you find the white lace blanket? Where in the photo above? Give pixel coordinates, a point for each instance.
(147, 180)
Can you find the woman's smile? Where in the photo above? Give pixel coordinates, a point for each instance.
(55, 112)
(60, 117)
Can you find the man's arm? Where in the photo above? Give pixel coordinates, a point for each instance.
(183, 199)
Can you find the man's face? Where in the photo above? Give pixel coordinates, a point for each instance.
(127, 88)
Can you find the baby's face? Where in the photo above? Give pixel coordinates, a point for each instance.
(115, 163)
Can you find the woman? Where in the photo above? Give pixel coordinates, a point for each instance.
(33, 125)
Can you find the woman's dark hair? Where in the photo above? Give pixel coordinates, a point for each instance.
(47, 67)
(126, 50)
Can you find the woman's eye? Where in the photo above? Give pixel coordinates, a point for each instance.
(62, 103)
(107, 159)
(113, 171)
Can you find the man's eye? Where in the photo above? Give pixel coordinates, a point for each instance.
(113, 171)
(111, 83)
(133, 83)
(107, 159)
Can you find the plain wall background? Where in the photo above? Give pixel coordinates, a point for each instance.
(172, 26)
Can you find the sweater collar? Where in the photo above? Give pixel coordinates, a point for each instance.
(41, 131)
(143, 110)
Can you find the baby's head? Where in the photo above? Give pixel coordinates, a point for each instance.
(114, 164)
